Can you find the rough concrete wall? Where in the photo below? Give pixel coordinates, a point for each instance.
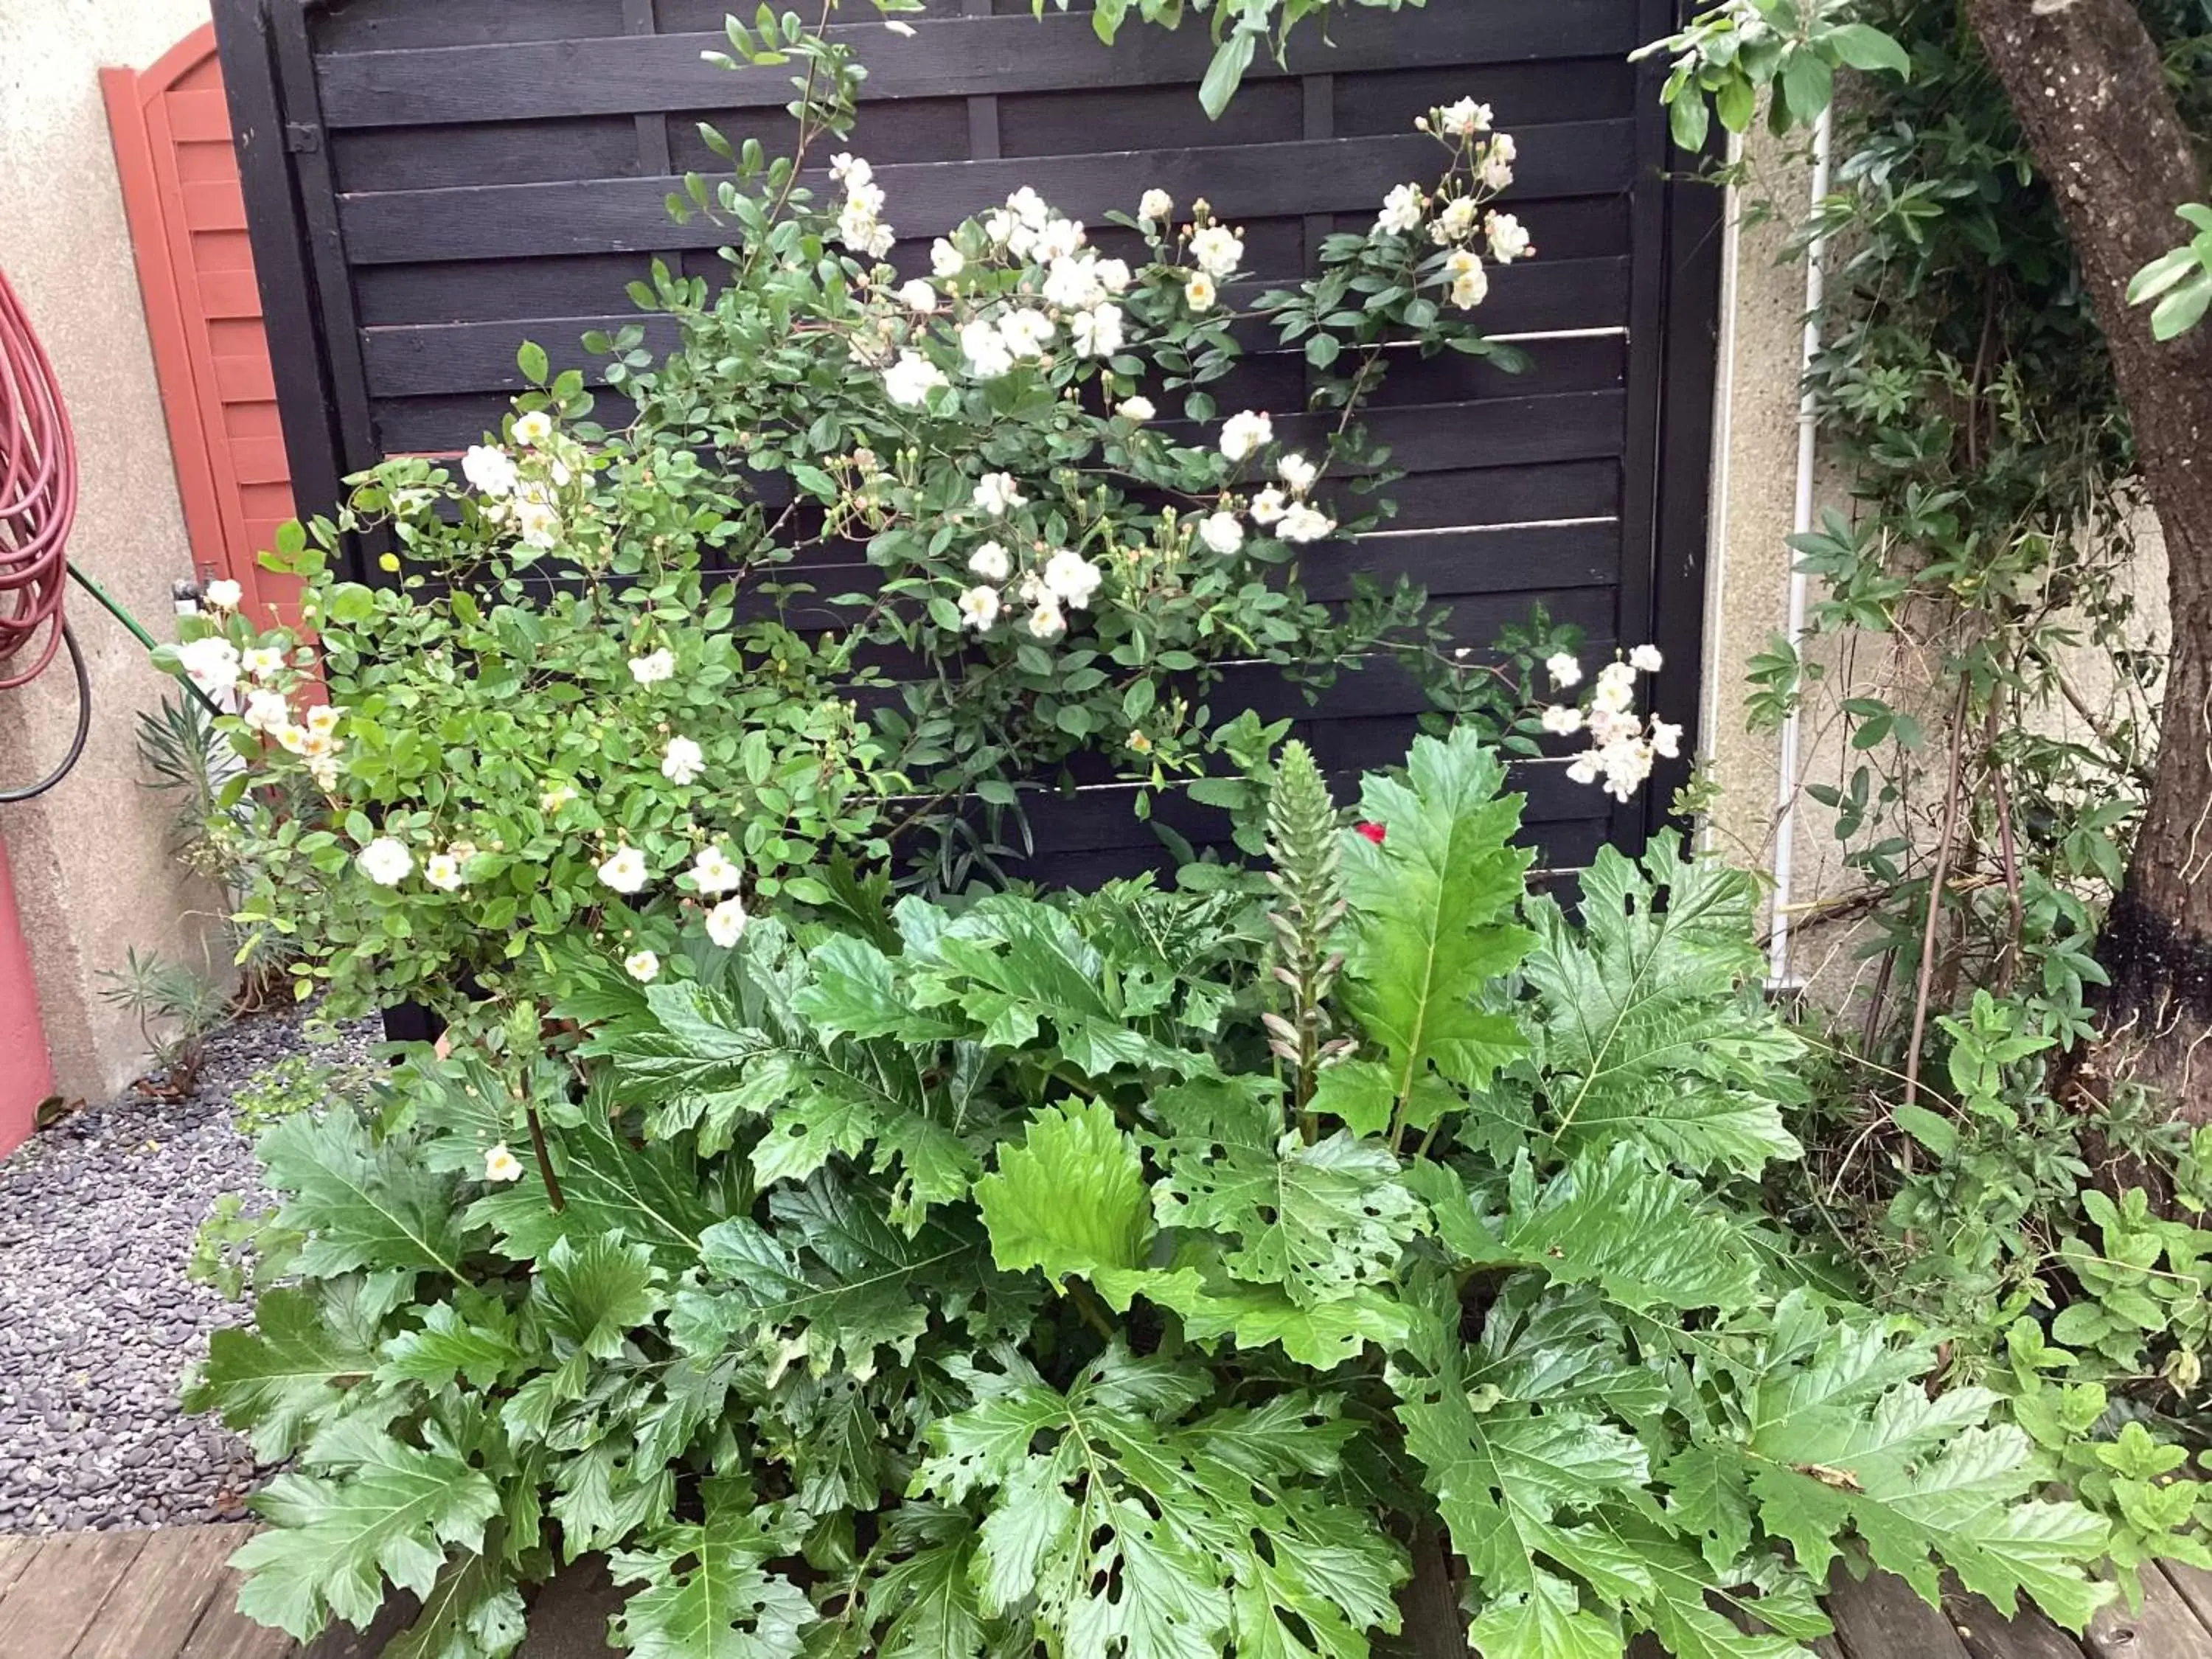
(92, 872)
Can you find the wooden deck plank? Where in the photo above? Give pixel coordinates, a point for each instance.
(17, 1551)
(46, 1610)
(1881, 1617)
(1988, 1634)
(159, 1600)
(2194, 1586)
(2165, 1629)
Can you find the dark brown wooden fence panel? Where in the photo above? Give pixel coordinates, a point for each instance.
(433, 181)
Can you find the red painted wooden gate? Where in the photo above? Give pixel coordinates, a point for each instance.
(179, 175)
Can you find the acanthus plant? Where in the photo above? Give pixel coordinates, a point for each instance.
(1125, 1275)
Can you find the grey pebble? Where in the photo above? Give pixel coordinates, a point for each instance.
(99, 1323)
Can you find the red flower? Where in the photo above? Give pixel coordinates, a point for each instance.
(1374, 832)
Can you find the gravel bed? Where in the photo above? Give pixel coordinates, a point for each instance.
(98, 1322)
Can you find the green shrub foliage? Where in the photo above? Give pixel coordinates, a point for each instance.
(1124, 1275)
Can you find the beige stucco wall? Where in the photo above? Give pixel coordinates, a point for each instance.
(92, 870)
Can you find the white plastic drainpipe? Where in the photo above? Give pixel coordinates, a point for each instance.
(1808, 422)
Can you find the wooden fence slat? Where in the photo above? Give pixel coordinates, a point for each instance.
(439, 359)
(926, 198)
(946, 57)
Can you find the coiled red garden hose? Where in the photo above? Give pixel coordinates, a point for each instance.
(38, 498)
(38, 506)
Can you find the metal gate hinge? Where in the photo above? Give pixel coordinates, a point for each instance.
(302, 137)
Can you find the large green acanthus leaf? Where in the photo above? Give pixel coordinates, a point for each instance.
(1212, 1305)
(1647, 1238)
(925, 1604)
(391, 1512)
(1120, 1527)
(706, 1592)
(830, 1274)
(1069, 1197)
(1843, 1437)
(276, 1381)
(474, 1611)
(1432, 927)
(853, 989)
(361, 1204)
(655, 1193)
(1653, 1032)
(1324, 1221)
(1545, 1621)
(1507, 1478)
(475, 1338)
(1016, 967)
(590, 1296)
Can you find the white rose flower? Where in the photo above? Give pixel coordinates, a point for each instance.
(1269, 506)
(533, 429)
(1465, 118)
(909, 381)
(1401, 210)
(1470, 282)
(683, 761)
(556, 797)
(1046, 623)
(1666, 739)
(536, 518)
(211, 664)
(1156, 206)
(1098, 332)
(643, 966)
(624, 871)
(713, 871)
(918, 295)
(223, 594)
(1584, 769)
(979, 608)
(385, 861)
(1072, 578)
(985, 350)
(849, 169)
(501, 1166)
(654, 667)
(1646, 659)
(946, 261)
(1508, 239)
(1221, 532)
(1217, 251)
(1456, 221)
(1072, 284)
(1296, 470)
(726, 923)
(998, 495)
(263, 661)
(1200, 291)
(1113, 275)
(1563, 719)
(1565, 668)
(1058, 238)
(443, 872)
(1026, 332)
(1244, 432)
(990, 563)
(1497, 170)
(1138, 409)
(1615, 692)
(1303, 523)
(490, 471)
(268, 711)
